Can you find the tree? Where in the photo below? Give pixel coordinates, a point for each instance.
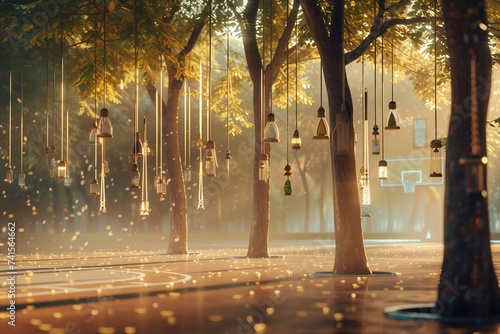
(259, 228)
(468, 286)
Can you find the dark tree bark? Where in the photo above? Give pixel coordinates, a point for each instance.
(350, 255)
(468, 285)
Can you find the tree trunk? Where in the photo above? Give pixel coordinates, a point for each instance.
(350, 255)
(468, 285)
(259, 228)
(307, 195)
(178, 238)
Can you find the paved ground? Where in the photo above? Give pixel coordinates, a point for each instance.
(215, 290)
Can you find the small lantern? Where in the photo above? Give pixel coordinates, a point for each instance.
(95, 187)
(53, 149)
(61, 169)
(436, 168)
(145, 208)
(475, 174)
(161, 187)
(288, 170)
(263, 167)
(393, 118)
(187, 174)
(375, 141)
(135, 176)
(137, 149)
(9, 177)
(21, 181)
(375, 146)
(271, 131)
(382, 169)
(210, 159)
(53, 168)
(287, 187)
(228, 159)
(105, 128)
(296, 141)
(323, 130)
(67, 181)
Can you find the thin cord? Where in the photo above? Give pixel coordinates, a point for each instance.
(375, 64)
(287, 79)
(209, 87)
(46, 102)
(185, 122)
(392, 69)
(321, 83)
(22, 121)
(435, 69)
(296, 76)
(96, 139)
(10, 113)
(53, 93)
(104, 52)
(136, 77)
(228, 90)
(382, 94)
(62, 88)
(160, 142)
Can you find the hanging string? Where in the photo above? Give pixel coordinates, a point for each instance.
(189, 129)
(67, 144)
(263, 82)
(209, 87)
(296, 76)
(96, 118)
(136, 98)
(62, 88)
(10, 112)
(375, 64)
(160, 123)
(144, 191)
(200, 144)
(102, 207)
(435, 69)
(22, 123)
(382, 93)
(47, 149)
(287, 78)
(228, 152)
(392, 68)
(53, 147)
(185, 123)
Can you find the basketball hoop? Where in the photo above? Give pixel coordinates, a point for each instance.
(409, 186)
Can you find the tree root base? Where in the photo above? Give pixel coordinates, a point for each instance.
(428, 312)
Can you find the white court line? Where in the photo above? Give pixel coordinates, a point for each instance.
(131, 284)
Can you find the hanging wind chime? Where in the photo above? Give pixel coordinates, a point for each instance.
(393, 116)
(210, 153)
(229, 92)
(296, 140)
(436, 144)
(375, 133)
(364, 173)
(104, 128)
(9, 177)
(382, 164)
(22, 177)
(287, 187)
(161, 184)
(323, 129)
(199, 143)
(137, 146)
(144, 211)
(264, 168)
(93, 140)
(187, 132)
(61, 165)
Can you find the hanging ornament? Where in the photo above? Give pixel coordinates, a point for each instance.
(264, 167)
(393, 118)
(271, 131)
(323, 128)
